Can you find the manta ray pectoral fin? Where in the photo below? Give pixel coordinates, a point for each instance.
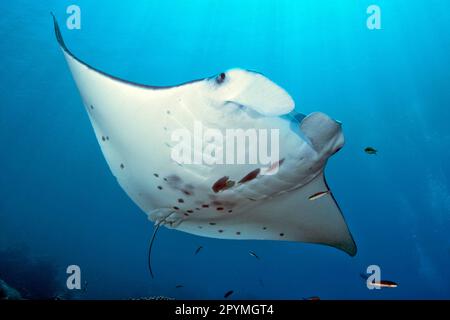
(315, 221)
(255, 91)
(298, 218)
(290, 216)
(322, 132)
(80, 68)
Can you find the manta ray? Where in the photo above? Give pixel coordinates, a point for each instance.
(133, 124)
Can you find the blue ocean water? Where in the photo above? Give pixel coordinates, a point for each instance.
(60, 204)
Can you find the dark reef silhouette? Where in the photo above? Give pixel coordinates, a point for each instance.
(33, 277)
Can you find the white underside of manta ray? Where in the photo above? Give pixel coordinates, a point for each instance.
(133, 125)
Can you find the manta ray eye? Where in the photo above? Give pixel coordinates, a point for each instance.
(220, 78)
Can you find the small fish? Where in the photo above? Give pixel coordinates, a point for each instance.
(250, 176)
(385, 284)
(220, 184)
(314, 298)
(381, 283)
(178, 286)
(198, 250)
(253, 254)
(229, 293)
(318, 195)
(275, 165)
(370, 150)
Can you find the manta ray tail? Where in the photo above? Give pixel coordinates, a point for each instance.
(155, 231)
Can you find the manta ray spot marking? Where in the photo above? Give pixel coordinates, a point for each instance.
(186, 192)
